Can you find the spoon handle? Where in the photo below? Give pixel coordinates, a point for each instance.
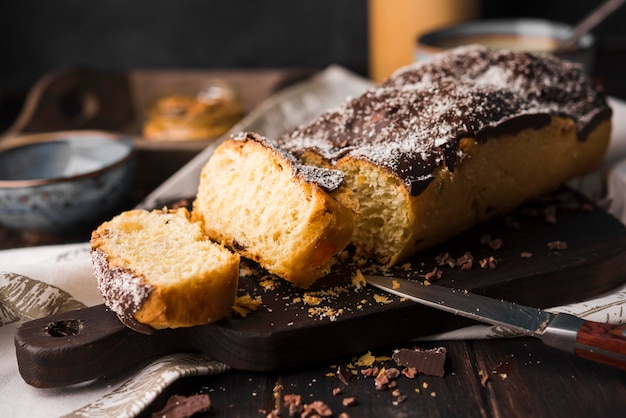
(588, 23)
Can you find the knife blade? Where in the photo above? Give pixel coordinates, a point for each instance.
(599, 342)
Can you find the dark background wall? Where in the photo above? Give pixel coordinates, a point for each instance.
(37, 36)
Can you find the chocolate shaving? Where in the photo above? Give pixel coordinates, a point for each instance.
(466, 261)
(434, 274)
(488, 262)
(349, 401)
(505, 367)
(429, 362)
(495, 244)
(370, 371)
(184, 406)
(445, 260)
(316, 409)
(344, 374)
(557, 245)
(293, 403)
(381, 382)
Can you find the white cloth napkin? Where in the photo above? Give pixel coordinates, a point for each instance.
(40, 281)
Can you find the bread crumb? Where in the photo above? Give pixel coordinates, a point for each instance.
(358, 280)
(382, 299)
(312, 300)
(366, 360)
(245, 304)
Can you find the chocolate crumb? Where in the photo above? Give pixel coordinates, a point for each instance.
(434, 274)
(429, 362)
(184, 406)
(349, 401)
(526, 254)
(274, 413)
(316, 409)
(409, 372)
(466, 261)
(488, 262)
(344, 375)
(370, 371)
(505, 367)
(495, 244)
(392, 373)
(484, 378)
(445, 260)
(336, 391)
(557, 245)
(293, 403)
(381, 382)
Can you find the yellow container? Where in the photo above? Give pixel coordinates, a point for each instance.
(395, 25)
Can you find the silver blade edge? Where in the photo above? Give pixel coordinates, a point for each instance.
(518, 318)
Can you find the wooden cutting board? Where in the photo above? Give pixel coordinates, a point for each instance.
(287, 332)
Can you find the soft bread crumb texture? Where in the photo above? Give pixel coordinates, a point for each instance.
(191, 280)
(490, 179)
(251, 200)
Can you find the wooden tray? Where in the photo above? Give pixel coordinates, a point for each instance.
(89, 343)
(87, 98)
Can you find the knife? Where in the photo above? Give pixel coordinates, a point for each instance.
(599, 342)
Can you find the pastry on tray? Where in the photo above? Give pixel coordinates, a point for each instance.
(192, 118)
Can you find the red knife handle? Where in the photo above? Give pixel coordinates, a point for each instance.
(602, 343)
(86, 344)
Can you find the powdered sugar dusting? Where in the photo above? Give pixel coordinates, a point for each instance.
(413, 121)
(123, 292)
(327, 179)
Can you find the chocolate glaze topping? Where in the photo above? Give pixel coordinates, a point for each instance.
(327, 179)
(413, 122)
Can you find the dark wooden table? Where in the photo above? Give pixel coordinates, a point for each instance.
(543, 382)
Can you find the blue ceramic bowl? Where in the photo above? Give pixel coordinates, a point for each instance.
(64, 182)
